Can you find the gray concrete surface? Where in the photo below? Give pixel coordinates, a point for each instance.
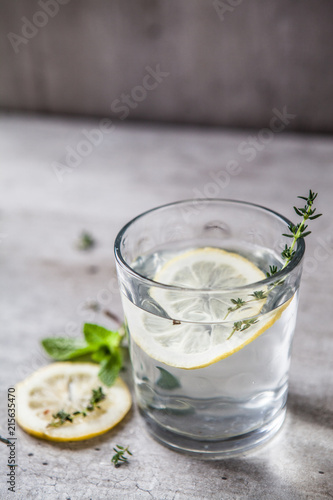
(46, 281)
(229, 62)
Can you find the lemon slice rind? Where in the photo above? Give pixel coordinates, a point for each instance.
(205, 269)
(200, 336)
(47, 391)
(210, 254)
(170, 354)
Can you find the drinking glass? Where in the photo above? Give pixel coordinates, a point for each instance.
(210, 360)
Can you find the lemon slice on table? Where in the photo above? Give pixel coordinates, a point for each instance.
(68, 386)
(201, 334)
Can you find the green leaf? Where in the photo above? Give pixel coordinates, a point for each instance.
(62, 348)
(85, 358)
(97, 396)
(167, 380)
(259, 295)
(299, 211)
(86, 241)
(100, 354)
(110, 367)
(96, 336)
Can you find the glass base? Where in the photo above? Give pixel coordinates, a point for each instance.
(214, 450)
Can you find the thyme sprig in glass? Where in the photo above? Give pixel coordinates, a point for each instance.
(296, 232)
(61, 417)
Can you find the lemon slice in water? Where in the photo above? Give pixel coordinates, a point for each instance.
(199, 333)
(206, 269)
(68, 387)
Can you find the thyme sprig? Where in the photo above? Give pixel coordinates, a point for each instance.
(240, 326)
(238, 303)
(119, 457)
(297, 231)
(61, 417)
(86, 241)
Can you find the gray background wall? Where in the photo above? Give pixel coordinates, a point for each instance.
(229, 62)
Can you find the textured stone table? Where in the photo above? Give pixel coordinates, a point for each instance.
(46, 283)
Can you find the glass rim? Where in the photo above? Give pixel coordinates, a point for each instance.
(282, 273)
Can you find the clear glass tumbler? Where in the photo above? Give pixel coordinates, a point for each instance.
(209, 333)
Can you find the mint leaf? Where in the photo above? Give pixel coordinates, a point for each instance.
(167, 380)
(101, 346)
(96, 336)
(100, 354)
(62, 348)
(110, 367)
